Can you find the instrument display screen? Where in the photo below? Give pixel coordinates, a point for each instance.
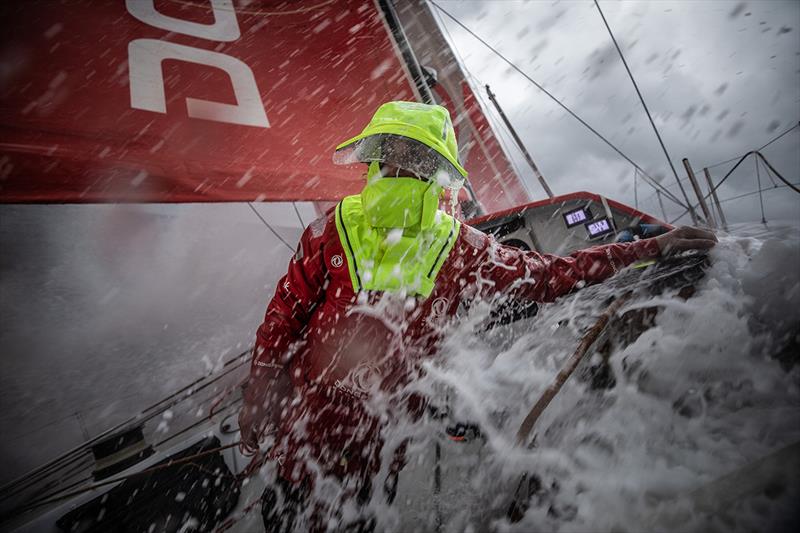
(599, 227)
(577, 216)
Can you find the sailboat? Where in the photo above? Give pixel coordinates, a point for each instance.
(144, 102)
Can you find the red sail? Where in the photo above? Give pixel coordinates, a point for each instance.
(161, 101)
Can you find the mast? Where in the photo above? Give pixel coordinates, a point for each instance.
(525, 152)
(417, 74)
(408, 55)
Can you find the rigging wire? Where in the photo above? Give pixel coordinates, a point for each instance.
(774, 171)
(718, 184)
(646, 110)
(740, 156)
(297, 212)
(652, 182)
(734, 158)
(160, 466)
(479, 94)
(289, 246)
(756, 154)
(504, 142)
(779, 136)
(739, 196)
(145, 415)
(501, 133)
(769, 175)
(652, 195)
(78, 462)
(63, 419)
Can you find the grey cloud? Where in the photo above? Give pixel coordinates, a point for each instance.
(713, 91)
(740, 7)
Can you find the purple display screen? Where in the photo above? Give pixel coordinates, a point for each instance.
(599, 227)
(577, 216)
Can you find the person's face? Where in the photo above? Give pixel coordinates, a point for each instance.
(405, 157)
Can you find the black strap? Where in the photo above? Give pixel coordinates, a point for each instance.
(349, 246)
(446, 243)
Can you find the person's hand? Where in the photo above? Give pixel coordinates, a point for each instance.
(264, 396)
(252, 427)
(685, 238)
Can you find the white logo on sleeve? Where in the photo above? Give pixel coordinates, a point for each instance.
(439, 307)
(337, 261)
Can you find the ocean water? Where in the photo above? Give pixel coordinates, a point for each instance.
(107, 308)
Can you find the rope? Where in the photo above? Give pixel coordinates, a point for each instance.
(646, 110)
(649, 179)
(517, 506)
(570, 366)
(252, 467)
(289, 246)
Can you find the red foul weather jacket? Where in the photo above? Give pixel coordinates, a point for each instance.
(323, 350)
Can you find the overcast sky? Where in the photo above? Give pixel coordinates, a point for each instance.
(720, 78)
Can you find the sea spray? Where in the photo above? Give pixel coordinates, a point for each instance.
(698, 395)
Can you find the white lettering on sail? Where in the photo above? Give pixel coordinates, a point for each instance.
(225, 28)
(147, 82)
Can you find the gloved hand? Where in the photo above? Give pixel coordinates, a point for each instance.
(253, 426)
(263, 400)
(685, 238)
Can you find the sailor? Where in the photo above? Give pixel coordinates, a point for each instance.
(366, 298)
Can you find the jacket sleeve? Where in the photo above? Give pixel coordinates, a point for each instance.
(545, 277)
(288, 313)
